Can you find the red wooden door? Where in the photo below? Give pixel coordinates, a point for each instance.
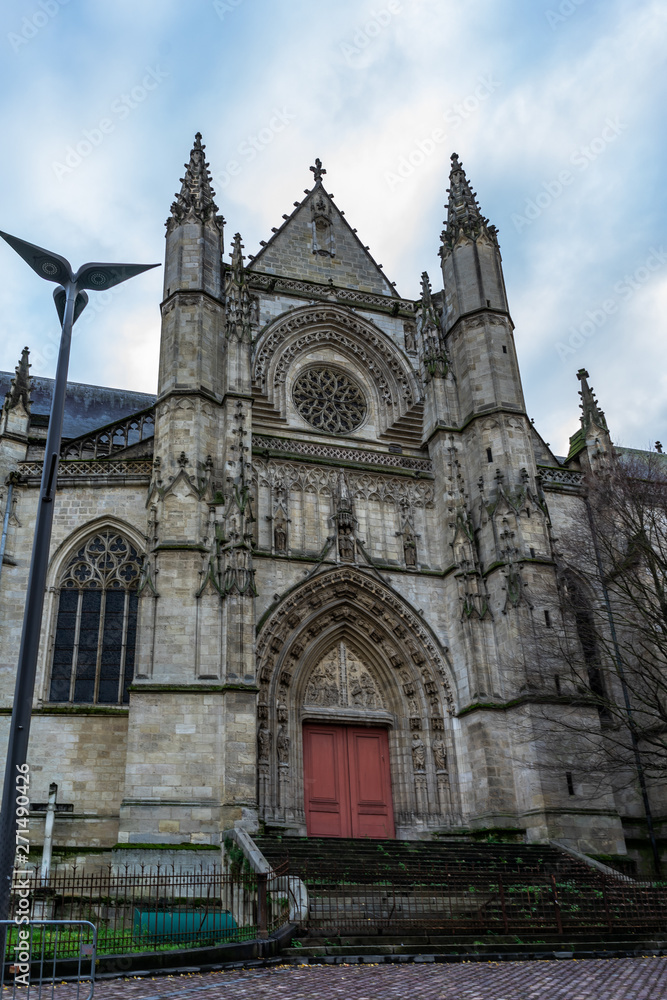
(347, 782)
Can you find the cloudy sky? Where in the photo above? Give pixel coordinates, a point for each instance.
(556, 108)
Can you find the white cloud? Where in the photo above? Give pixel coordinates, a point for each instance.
(552, 92)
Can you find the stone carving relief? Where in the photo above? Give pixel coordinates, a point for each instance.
(324, 684)
(373, 607)
(362, 486)
(342, 679)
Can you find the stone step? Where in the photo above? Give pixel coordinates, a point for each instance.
(487, 951)
(399, 860)
(373, 942)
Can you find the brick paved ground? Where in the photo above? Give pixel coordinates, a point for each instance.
(609, 979)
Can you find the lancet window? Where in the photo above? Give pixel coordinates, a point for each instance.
(93, 655)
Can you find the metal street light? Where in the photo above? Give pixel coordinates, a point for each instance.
(71, 299)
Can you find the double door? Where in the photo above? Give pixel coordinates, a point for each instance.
(347, 781)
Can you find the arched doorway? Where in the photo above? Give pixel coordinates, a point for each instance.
(346, 769)
(346, 654)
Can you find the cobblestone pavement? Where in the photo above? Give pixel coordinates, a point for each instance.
(604, 979)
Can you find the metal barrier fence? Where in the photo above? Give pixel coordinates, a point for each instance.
(45, 952)
(497, 904)
(148, 909)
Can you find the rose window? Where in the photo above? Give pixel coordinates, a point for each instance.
(329, 400)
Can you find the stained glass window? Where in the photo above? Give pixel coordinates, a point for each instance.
(93, 655)
(329, 400)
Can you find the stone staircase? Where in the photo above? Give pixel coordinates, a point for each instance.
(319, 858)
(388, 900)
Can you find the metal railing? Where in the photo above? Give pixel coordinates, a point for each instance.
(471, 903)
(41, 953)
(141, 909)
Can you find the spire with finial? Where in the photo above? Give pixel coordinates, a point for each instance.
(463, 213)
(19, 391)
(195, 201)
(590, 409)
(318, 170)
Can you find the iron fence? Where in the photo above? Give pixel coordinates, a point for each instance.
(159, 909)
(42, 953)
(471, 904)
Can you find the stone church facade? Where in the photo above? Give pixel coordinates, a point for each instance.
(297, 587)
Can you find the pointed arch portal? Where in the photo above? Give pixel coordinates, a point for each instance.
(355, 735)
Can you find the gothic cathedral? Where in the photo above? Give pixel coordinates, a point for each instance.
(299, 586)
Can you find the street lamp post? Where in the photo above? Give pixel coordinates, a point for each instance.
(70, 298)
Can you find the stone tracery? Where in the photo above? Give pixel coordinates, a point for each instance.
(329, 400)
(364, 346)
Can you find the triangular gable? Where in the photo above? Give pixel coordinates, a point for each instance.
(316, 243)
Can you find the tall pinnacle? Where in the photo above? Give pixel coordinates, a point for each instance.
(195, 203)
(590, 409)
(20, 387)
(463, 213)
(239, 305)
(431, 348)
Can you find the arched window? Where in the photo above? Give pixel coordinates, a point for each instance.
(582, 611)
(93, 656)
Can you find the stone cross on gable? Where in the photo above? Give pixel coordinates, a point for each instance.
(318, 170)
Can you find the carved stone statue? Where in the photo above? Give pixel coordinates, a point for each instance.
(346, 544)
(410, 332)
(280, 536)
(418, 753)
(263, 744)
(440, 755)
(282, 746)
(409, 550)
